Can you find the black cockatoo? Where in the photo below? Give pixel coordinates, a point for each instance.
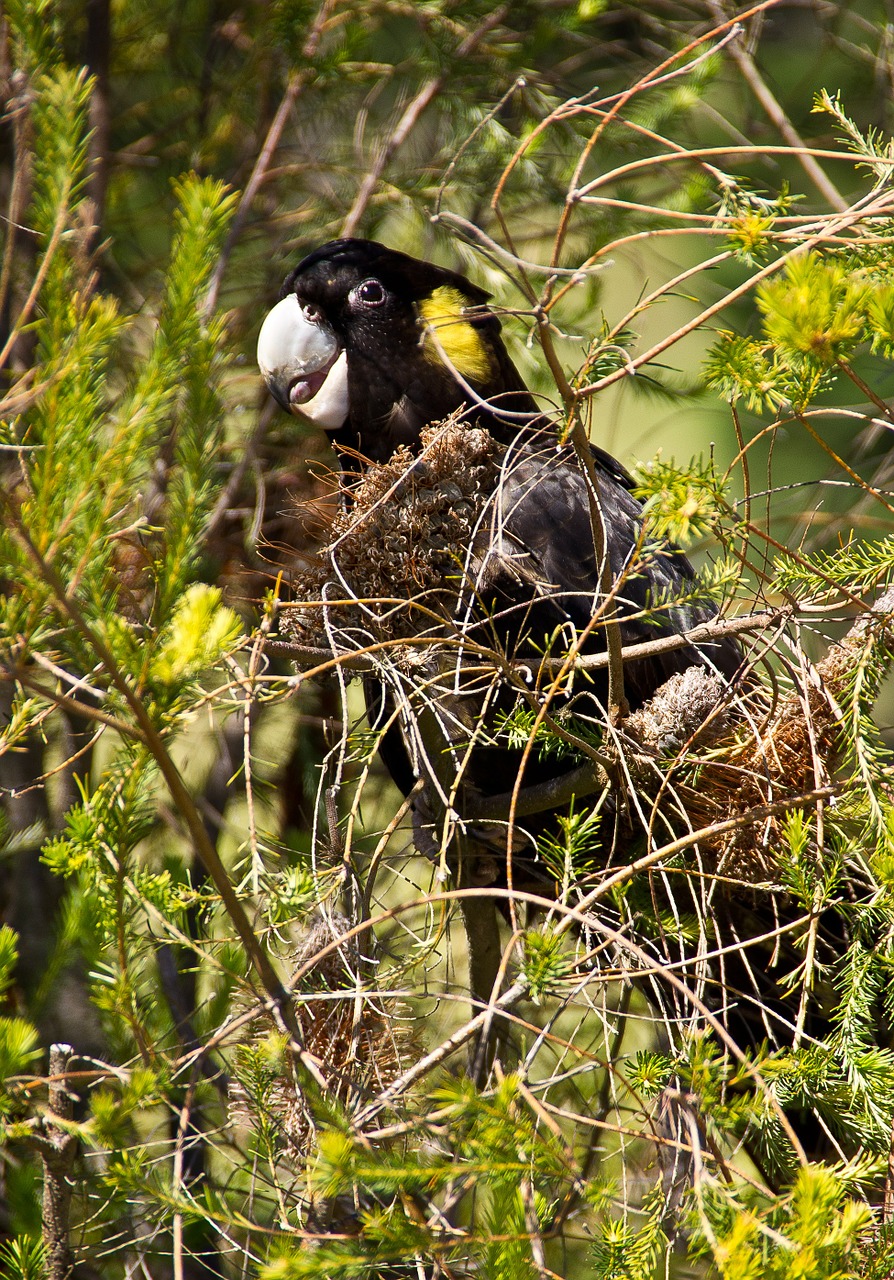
(373, 346)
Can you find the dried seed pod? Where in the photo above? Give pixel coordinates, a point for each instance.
(406, 534)
(358, 1043)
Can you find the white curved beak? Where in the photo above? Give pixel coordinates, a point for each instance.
(303, 366)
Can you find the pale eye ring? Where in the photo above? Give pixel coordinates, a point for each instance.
(371, 293)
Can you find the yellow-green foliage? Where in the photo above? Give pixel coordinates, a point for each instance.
(681, 504)
(200, 632)
(814, 1235)
(816, 308)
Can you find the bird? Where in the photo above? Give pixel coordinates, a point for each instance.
(375, 348)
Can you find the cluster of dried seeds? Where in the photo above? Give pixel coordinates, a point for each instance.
(358, 1042)
(398, 553)
(784, 746)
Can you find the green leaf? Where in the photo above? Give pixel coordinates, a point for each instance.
(24, 1258)
(816, 309)
(547, 964)
(9, 955)
(19, 1046)
(681, 504)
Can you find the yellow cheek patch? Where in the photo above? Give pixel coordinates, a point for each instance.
(449, 338)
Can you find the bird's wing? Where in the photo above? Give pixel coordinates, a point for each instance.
(540, 573)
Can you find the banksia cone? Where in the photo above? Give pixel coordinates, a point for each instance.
(351, 1039)
(401, 545)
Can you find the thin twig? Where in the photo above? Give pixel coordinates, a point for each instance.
(41, 273)
(570, 916)
(321, 661)
(18, 111)
(755, 81)
(201, 840)
(58, 1152)
(298, 81)
(410, 118)
(880, 203)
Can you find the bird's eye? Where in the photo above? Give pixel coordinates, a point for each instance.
(371, 293)
(312, 314)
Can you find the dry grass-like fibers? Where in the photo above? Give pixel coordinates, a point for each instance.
(357, 1042)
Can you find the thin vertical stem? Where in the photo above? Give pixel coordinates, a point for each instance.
(58, 1153)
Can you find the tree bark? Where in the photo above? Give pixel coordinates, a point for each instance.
(58, 1153)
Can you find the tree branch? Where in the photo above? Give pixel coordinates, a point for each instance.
(58, 1152)
(759, 88)
(408, 120)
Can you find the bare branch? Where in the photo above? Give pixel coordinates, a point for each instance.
(410, 118)
(739, 53)
(58, 1153)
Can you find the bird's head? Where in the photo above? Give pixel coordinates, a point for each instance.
(373, 345)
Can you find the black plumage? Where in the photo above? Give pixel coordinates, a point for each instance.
(376, 346)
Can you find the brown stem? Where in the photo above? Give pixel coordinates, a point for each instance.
(97, 55)
(840, 462)
(298, 81)
(320, 661)
(758, 87)
(570, 916)
(258, 174)
(617, 703)
(617, 104)
(18, 111)
(248, 453)
(53, 243)
(419, 1069)
(408, 120)
(803, 563)
(868, 392)
(398, 137)
(879, 204)
(58, 1153)
(71, 705)
(618, 706)
(743, 457)
(183, 801)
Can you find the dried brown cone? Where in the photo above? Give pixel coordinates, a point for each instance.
(357, 1043)
(740, 757)
(400, 546)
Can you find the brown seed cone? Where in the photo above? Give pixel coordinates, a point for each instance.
(755, 751)
(358, 1043)
(400, 546)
